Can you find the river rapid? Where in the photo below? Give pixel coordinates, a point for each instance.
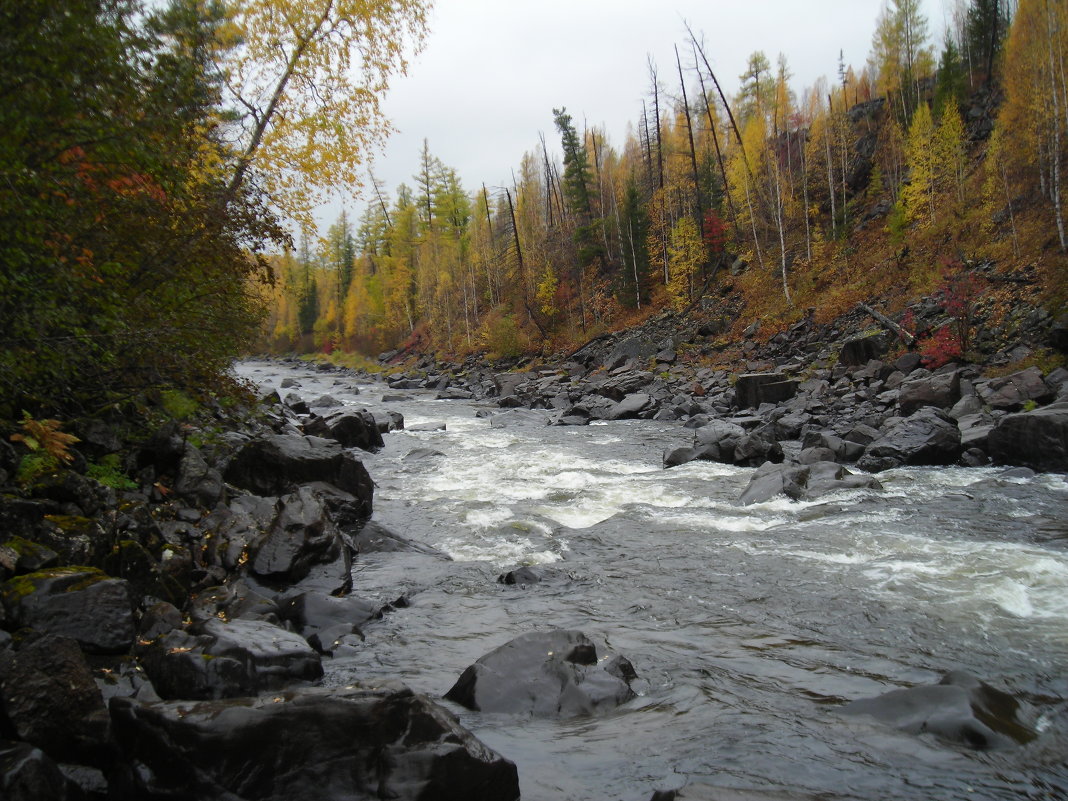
(749, 627)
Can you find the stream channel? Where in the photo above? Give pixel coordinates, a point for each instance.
(749, 627)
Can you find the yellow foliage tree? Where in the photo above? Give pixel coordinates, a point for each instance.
(686, 254)
(918, 194)
(307, 79)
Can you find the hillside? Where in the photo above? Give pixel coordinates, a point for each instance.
(927, 188)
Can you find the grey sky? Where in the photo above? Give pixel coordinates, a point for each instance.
(493, 70)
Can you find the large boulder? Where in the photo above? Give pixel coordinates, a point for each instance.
(307, 745)
(923, 388)
(630, 407)
(353, 428)
(928, 437)
(753, 389)
(301, 542)
(51, 700)
(83, 603)
(545, 674)
(1011, 392)
(1037, 439)
(859, 350)
(227, 659)
(29, 774)
(802, 482)
(197, 481)
(960, 709)
(274, 464)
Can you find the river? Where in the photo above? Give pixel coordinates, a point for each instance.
(749, 627)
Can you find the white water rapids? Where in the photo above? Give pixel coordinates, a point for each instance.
(748, 626)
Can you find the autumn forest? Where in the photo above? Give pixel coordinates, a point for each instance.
(877, 182)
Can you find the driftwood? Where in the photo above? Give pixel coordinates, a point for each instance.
(882, 318)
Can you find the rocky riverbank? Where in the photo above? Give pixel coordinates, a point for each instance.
(158, 634)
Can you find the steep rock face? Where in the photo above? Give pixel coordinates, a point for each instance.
(307, 745)
(545, 674)
(1037, 439)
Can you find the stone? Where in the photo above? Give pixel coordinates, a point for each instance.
(353, 428)
(1011, 392)
(753, 389)
(29, 774)
(274, 464)
(302, 539)
(312, 612)
(197, 481)
(227, 659)
(306, 745)
(373, 537)
(927, 389)
(861, 349)
(630, 407)
(802, 482)
(52, 701)
(753, 450)
(1037, 439)
(554, 674)
(960, 709)
(518, 418)
(928, 437)
(83, 603)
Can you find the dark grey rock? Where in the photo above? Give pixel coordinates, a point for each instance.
(802, 482)
(353, 428)
(544, 674)
(926, 389)
(928, 437)
(630, 407)
(29, 774)
(380, 742)
(961, 709)
(1037, 439)
(78, 602)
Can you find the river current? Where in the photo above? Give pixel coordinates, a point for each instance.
(749, 627)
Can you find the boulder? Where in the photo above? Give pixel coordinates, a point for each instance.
(923, 388)
(716, 431)
(545, 674)
(802, 482)
(306, 745)
(861, 349)
(29, 774)
(198, 482)
(1037, 439)
(322, 619)
(302, 539)
(755, 449)
(753, 389)
(517, 418)
(78, 602)
(630, 407)
(928, 437)
(227, 659)
(52, 702)
(960, 709)
(1011, 392)
(353, 428)
(274, 464)
(376, 538)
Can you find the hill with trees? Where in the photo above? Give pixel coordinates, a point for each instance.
(929, 170)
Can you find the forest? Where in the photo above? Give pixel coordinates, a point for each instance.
(890, 180)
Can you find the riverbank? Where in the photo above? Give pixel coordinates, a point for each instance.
(244, 567)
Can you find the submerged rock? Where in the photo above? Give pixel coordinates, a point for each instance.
(960, 709)
(545, 674)
(306, 745)
(802, 482)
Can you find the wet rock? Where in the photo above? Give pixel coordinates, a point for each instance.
(387, 421)
(1037, 439)
(28, 774)
(427, 427)
(381, 742)
(227, 659)
(296, 404)
(312, 613)
(242, 598)
(197, 481)
(630, 407)
(78, 602)
(274, 464)
(700, 791)
(50, 698)
(523, 576)
(353, 428)
(960, 709)
(376, 538)
(922, 388)
(545, 674)
(302, 540)
(928, 437)
(324, 402)
(289, 383)
(518, 418)
(802, 482)
(754, 449)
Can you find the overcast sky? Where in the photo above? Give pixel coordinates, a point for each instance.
(493, 70)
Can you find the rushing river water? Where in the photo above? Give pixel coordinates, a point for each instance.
(749, 627)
